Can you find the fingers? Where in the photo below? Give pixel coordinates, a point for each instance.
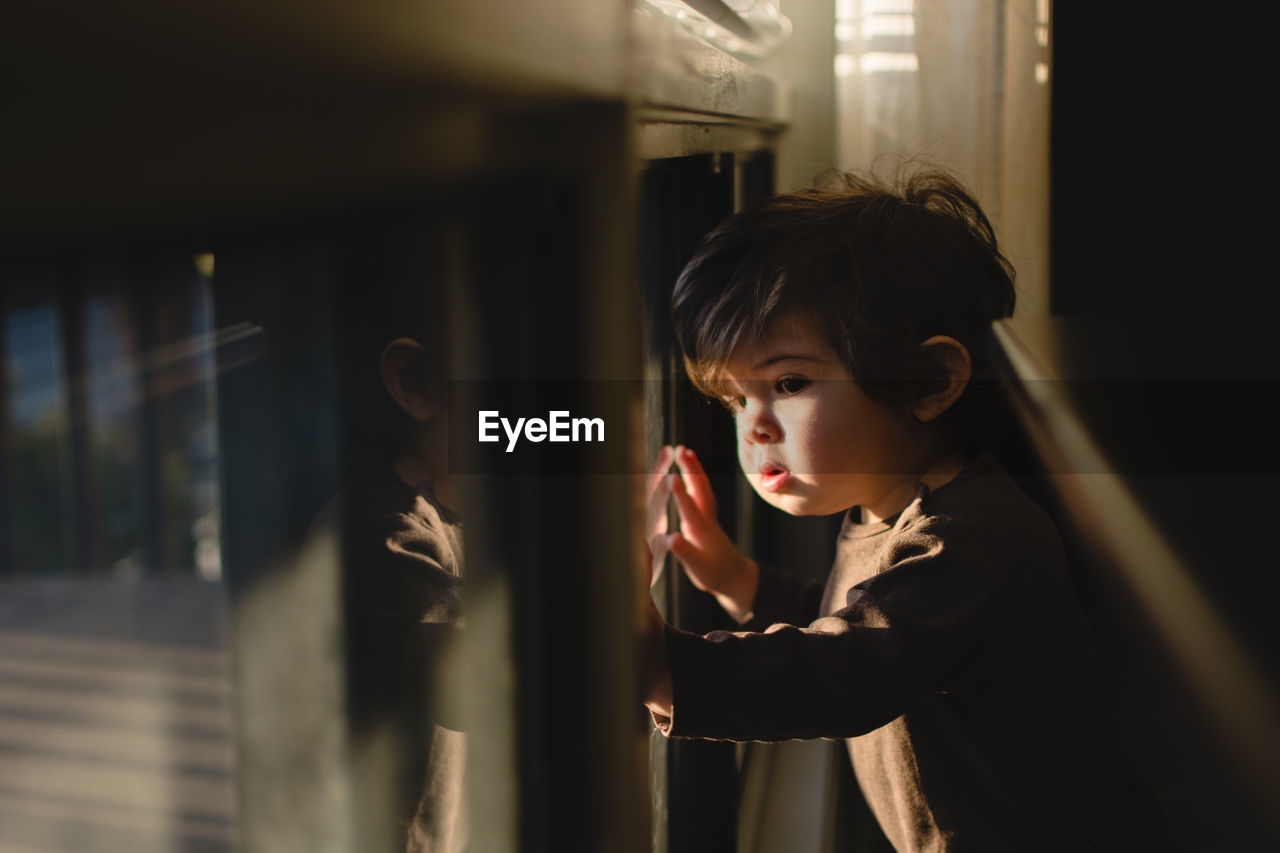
(679, 546)
(657, 493)
(659, 547)
(692, 519)
(691, 489)
(696, 480)
(659, 469)
(656, 508)
(697, 569)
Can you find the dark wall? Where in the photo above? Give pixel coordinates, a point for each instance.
(1163, 138)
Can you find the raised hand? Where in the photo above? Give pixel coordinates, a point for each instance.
(709, 557)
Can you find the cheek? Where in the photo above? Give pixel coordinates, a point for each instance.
(743, 457)
(819, 444)
(829, 452)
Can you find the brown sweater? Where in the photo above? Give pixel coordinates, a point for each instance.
(404, 554)
(950, 652)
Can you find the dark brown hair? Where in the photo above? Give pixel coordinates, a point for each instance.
(877, 268)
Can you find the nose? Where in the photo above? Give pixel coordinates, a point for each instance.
(757, 425)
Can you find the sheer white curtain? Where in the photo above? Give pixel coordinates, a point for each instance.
(963, 84)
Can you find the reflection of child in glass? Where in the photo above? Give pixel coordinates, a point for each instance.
(403, 551)
(411, 519)
(844, 330)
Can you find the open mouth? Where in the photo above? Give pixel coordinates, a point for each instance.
(773, 477)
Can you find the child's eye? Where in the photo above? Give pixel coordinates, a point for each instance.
(791, 384)
(734, 404)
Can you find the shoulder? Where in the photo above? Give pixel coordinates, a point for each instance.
(984, 494)
(980, 517)
(404, 550)
(382, 512)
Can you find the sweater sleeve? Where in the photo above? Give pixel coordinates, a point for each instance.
(902, 634)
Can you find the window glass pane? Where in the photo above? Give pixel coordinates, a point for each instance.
(115, 724)
(36, 452)
(115, 478)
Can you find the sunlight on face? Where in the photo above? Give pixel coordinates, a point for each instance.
(810, 441)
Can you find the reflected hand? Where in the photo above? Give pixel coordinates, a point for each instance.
(656, 676)
(710, 559)
(657, 495)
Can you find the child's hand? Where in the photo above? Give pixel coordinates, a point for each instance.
(710, 559)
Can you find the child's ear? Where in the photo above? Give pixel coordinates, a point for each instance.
(400, 368)
(952, 356)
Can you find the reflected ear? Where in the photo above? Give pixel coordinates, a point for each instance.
(954, 358)
(400, 368)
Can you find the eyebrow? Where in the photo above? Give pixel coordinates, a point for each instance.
(774, 359)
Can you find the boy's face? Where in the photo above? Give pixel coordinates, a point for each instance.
(809, 440)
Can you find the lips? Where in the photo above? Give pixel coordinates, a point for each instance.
(773, 477)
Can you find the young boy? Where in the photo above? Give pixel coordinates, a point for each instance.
(845, 331)
(403, 553)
